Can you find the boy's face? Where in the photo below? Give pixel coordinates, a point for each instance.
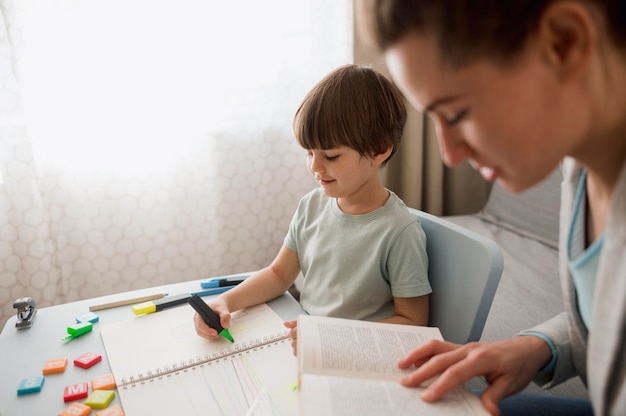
(342, 172)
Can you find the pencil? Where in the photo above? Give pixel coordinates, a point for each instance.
(126, 302)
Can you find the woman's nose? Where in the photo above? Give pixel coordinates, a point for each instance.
(452, 146)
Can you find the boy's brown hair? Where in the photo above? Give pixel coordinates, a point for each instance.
(353, 106)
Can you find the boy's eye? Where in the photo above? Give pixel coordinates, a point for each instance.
(331, 158)
(457, 118)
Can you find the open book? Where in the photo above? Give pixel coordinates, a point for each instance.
(348, 367)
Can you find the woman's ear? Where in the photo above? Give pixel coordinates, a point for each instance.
(379, 158)
(567, 35)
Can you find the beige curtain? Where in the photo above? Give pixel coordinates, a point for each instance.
(135, 158)
(416, 172)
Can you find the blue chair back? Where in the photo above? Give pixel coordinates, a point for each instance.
(464, 270)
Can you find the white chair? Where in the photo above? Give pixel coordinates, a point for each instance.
(464, 270)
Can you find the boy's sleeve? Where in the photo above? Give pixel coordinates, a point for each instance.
(291, 239)
(408, 263)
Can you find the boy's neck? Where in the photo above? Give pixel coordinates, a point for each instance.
(365, 202)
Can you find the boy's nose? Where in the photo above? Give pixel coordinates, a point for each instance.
(315, 165)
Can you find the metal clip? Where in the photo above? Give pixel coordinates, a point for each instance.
(26, 312)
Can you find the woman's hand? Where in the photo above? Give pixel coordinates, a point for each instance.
(219, 306)
(508, 366)
(293, 334)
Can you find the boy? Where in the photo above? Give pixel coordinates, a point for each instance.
(362, 254)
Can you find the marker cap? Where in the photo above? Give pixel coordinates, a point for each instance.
(79, 329)
(145, 307)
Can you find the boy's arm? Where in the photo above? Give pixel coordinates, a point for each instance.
(266, 284)
(409, 311)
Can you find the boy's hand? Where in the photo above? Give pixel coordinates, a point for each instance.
(293, 334)
(205, 331)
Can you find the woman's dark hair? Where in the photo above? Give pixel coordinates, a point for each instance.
(466, 29)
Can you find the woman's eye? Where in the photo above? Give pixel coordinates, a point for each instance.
(456, 119)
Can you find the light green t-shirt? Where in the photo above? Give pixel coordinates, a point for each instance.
(353, 265)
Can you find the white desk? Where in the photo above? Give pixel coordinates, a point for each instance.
(23, 352)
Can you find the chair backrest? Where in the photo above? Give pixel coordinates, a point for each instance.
(464, 270)
(509, 211)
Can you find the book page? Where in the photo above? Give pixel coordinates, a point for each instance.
(357, 349)
(322, 395)
(349, 367)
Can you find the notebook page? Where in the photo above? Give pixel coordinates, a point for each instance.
(149, 342)
(261, 382)
(254, 381)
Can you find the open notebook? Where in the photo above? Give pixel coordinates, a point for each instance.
(162, 367)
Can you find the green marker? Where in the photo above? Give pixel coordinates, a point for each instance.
(226, 334)
(77, 330)
(209, 316)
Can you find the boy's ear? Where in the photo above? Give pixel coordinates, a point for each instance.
(379, 158)
(567, 37)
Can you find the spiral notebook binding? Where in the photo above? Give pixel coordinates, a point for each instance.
(184, 365)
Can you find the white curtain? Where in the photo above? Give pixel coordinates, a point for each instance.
(144, 142)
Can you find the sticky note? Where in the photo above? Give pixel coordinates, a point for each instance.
(105, 382)
(75, 392)
(88, 317)
(100, 398)
(76, 409)
(87, 360)
(56, 365)
(30, 385)
(111, 411)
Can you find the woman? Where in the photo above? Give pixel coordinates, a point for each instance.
(517, 88)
